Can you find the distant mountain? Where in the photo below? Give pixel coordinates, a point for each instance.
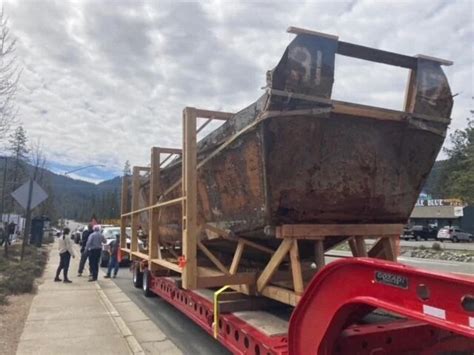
(72, 198)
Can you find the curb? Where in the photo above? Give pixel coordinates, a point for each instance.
(132, 342)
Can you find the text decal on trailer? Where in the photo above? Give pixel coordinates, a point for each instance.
(391, 279)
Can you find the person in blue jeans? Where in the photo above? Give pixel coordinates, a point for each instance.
(113, 260)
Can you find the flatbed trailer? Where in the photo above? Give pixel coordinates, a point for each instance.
(353, 306)
(277, 294)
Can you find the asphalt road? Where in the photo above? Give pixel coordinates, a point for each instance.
(182, 331)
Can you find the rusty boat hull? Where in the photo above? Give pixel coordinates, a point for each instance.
(296, 156)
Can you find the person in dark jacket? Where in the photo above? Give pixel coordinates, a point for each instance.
(94, 248)
(84, 253)
(113, 260)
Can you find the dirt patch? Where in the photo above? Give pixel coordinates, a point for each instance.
(12, 321)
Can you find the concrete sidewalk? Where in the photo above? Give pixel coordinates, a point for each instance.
(84, 318)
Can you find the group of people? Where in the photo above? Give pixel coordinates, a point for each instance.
(91, 248)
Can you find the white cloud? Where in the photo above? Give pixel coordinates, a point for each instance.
(104, 81)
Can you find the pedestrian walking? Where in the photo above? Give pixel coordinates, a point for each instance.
(84, 253)
(11, 232)
(94, 248)
(65, 252)
(114, 256)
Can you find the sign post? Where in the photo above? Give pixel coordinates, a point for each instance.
(29, 195)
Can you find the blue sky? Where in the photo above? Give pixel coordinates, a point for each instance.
(103, 81)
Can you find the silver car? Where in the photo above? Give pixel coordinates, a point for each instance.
(454, 234)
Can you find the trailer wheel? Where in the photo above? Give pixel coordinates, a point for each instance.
(137, 276)
(146, 284)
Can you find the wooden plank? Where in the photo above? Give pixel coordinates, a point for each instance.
(361, 249)
(377, 250)
(125, 250)
(215, 115)
(351, 109)
(167, 264)
(169, 151)
(135, 205)
(212, 257)
(316, 231)
(257, 246)
(153, 222)
(319, 254)
(189, 187)
(298, 30)
(140, 255)
(410, 92)
(296, 268)
(282, 295)
(273, 264)
(241, 278)
(435, 59)
(376, 55)
(237, 256)
(156, 205)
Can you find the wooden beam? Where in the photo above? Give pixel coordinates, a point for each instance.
(189, 189)
(353, 246)
(212, 257)
(318, 231)
(296, 268)
(273, 264)
(135, 205)
(257, 246)
(215, 115)
(156, 205)
(298, 30)
(234, 267)
(124, 200)
(167, 264)
(221, 232)
(153, 219)
(361, 249)
(319, 254)
(410, 92)
(242, 278)
(140, 255)
(169, 151)
(282, 295)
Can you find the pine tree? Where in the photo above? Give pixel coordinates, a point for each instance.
(127, 171)
(18, 149)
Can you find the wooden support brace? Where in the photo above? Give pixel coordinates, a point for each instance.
(237, 256)
(296, 268)
(361, 249)
(273, 264)
(212, 257)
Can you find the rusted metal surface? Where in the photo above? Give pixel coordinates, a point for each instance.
(324, 167)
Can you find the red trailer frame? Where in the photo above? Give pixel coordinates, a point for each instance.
(434, 312)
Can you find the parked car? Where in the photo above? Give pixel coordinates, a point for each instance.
(454, 234)
(110, 234)
(419, 232)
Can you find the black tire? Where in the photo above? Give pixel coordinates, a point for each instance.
(137, 276)
(146, 284)
(455, 239)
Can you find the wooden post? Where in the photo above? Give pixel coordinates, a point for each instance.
(124, 209)
(189, 187)
(153, 223)
(273, 264)
(410, 92)
(296, 268)
(361, 250)
(319, 254)
(135, 205)
(234, 267)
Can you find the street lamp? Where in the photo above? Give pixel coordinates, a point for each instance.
(83, 167)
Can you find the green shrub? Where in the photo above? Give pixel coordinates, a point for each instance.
(422, 247)
(18, 280)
